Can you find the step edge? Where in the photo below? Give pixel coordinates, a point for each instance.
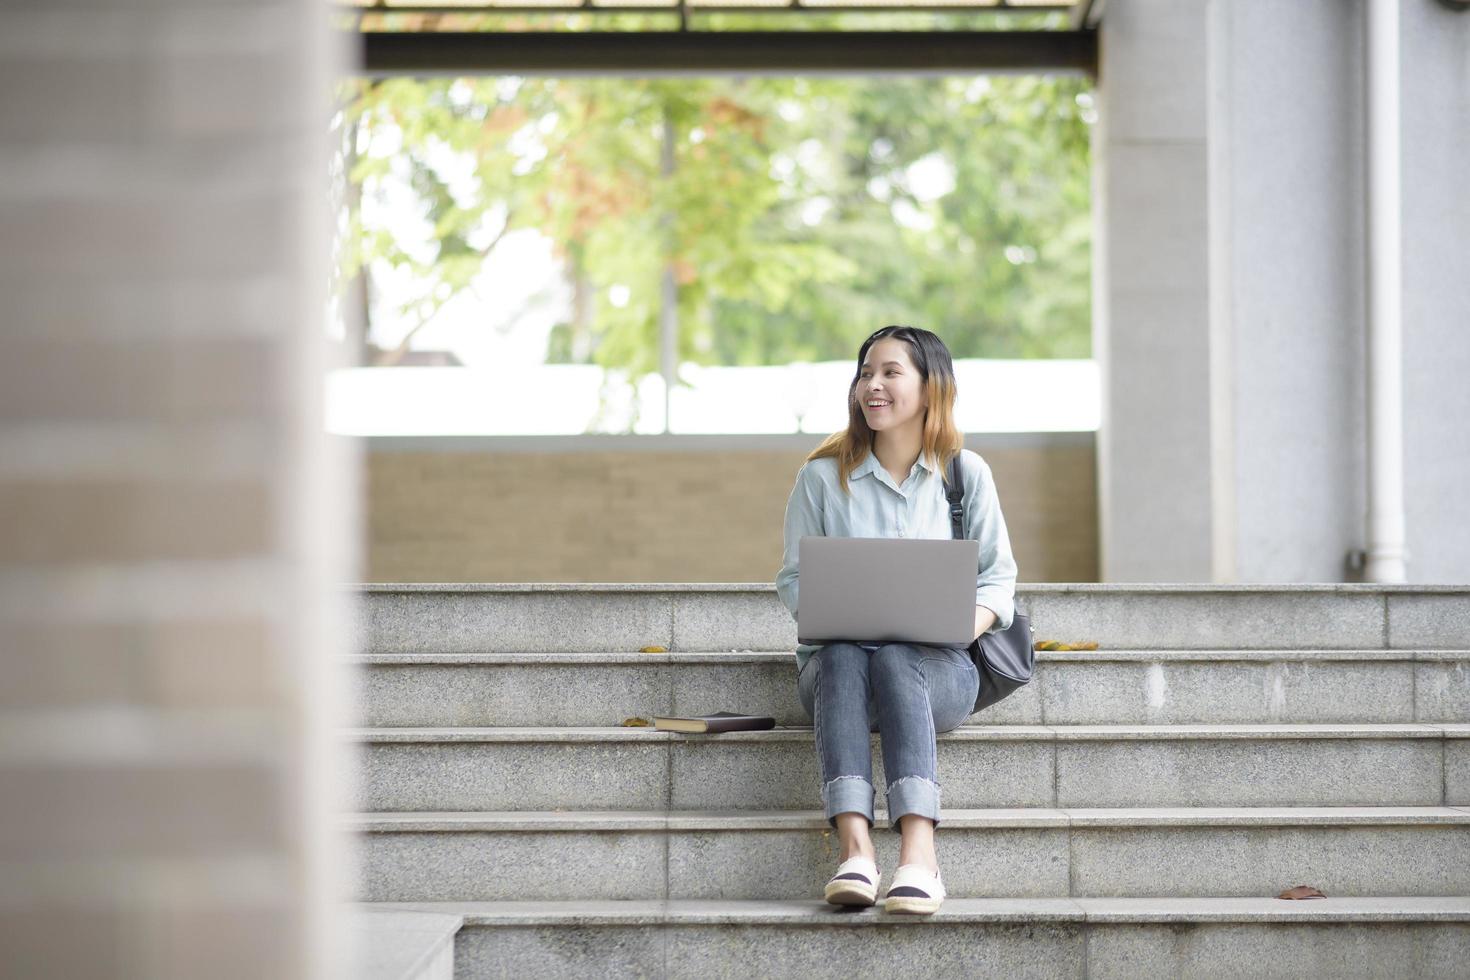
(981, 733)
(702, 657)
(1022, 589)
(1089, 911)
(1081, 818)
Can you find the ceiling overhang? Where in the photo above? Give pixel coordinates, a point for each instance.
(401, 37)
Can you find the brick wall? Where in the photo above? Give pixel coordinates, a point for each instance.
(705, 509)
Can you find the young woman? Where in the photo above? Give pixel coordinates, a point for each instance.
(884, 477)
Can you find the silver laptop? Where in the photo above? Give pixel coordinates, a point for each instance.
(887, 590)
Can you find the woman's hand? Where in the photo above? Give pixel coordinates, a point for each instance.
(984, 619)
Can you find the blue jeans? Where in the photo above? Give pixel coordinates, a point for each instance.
(907, 693)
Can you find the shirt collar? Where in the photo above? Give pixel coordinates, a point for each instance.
(870, 464)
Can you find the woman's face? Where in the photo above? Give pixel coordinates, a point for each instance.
(889, 376)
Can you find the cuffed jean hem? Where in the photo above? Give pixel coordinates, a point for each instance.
(912, 794)
(848, 794)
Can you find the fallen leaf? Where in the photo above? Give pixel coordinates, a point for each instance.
(634, 723)
(1301, 891)
(653, 649)
(1059, 645)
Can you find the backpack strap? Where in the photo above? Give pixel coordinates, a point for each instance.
(954, 489)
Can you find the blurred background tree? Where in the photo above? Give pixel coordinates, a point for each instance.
(795, 215)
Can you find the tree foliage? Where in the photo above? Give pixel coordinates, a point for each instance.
(795, 214)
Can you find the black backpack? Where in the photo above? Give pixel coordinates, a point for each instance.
(1006, 659)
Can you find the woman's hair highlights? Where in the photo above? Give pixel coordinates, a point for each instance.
(942, 439)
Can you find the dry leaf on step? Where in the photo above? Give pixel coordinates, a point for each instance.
(634, 723)
(653, 649)
(1058, 645)
(1301, 891)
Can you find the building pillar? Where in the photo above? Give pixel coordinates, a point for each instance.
(173, 522)
(1151, 293)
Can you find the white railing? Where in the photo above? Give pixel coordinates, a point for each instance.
(569, 399)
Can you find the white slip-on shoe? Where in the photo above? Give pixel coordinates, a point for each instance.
(914, 891)
(855, 883)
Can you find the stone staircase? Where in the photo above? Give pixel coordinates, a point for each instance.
(1132, 812)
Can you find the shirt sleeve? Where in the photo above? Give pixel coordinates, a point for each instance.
(803, 516)
(995, 585)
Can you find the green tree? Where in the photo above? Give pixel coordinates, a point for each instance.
(1002, 268)
(792, 217)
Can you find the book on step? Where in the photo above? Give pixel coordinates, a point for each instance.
(720, 721)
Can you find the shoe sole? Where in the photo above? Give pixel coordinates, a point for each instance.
(850, 893)
(908, 905)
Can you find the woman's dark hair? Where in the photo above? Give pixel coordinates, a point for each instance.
(942, 438)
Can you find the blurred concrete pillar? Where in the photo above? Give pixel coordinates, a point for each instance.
(173, 523)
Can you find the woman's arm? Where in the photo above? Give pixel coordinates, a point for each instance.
(995, 585)
(803, 516)
(984, 619)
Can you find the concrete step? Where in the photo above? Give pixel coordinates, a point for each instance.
(402, 944)
(416, 769)
(1082, 688)
(1097, 938)
(1038, 853)
(544, 618)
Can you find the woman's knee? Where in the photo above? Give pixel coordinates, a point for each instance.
(953, 688)
(842, 656)
(893, 660)
(949, 678)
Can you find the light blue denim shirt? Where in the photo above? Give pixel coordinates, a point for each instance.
(880, 508)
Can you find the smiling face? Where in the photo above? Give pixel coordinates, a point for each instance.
(888, 375)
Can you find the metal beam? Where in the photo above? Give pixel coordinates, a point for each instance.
(1087, 14)
(734, 7)
(659, 53)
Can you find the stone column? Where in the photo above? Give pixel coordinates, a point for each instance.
(1230, 289)
(1288, 266)
(173, 523)
(1436, 216)
(1151, 293)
